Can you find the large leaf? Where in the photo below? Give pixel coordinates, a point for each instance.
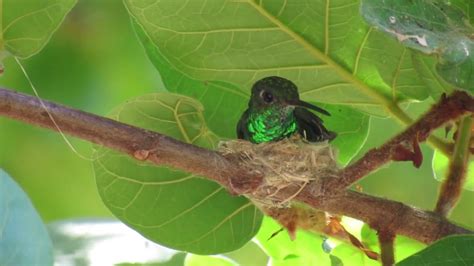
(23, 236)
(432, 27)
(323, 46)
(170, 207)
(306, 249)
(426, 67)
(225, 103)
(450, 251)
(352, 128)
(27, 25)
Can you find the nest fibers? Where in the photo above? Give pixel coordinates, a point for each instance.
(289, 162)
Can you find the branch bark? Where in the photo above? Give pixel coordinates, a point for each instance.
(404, 147)
(387, 241)
(162, 150)
(450, 191)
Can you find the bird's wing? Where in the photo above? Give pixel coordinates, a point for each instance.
(311, 126)
(242, 131)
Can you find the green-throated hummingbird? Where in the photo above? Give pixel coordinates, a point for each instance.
(276, 112)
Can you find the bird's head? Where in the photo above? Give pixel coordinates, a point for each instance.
(278, 92)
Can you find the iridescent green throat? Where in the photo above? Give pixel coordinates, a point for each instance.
(271, 124)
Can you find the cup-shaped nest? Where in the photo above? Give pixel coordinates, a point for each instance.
(289, 162)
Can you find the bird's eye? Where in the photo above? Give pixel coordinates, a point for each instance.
(267, 96)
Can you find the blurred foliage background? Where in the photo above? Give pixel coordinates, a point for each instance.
(94, 62)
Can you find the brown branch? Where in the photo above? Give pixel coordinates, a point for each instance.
(404, 146)
(387, 240)
(159, 149)
(139, 143)
(451, 188)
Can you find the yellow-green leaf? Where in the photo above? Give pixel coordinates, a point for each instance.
(27, 25)
(170, 207)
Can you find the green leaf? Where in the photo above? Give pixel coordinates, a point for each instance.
(432, 27)
(27, 25)
(23, 236)
(199, 260)
(250, 254)
(351, 256)
(426, 67)
(224, 103)
(306, 249)
(449, 251)
(467, 6)
(440, 165)
(324, 47)
(227, 104)
(171, 207)
(352, 128)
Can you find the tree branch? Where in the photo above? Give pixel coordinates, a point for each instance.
(387, 241)
(404, 147)
(139, 143)
(451, 188)
(162, 150)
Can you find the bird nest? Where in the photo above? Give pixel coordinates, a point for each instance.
(291, 162)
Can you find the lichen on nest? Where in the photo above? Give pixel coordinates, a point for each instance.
(289, 162)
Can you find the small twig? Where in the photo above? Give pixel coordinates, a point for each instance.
(387, 251)
(398, 148)
(162, 150)
(451, 188)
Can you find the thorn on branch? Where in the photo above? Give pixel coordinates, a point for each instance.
(141, 155)
(402, 153)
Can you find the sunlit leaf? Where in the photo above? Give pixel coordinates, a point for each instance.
(27, 25)
(249, 254)
(350, 256)
(199, 260)
(432, 27)
(23, 237)
(440, 165)
(450, 251)
(306, 249)
(323, 46)
(170, 207)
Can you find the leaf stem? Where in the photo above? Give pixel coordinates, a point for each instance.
(451, 188)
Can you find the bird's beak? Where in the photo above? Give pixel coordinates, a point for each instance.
(301, 103)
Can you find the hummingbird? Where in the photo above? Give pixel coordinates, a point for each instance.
(275, 112)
